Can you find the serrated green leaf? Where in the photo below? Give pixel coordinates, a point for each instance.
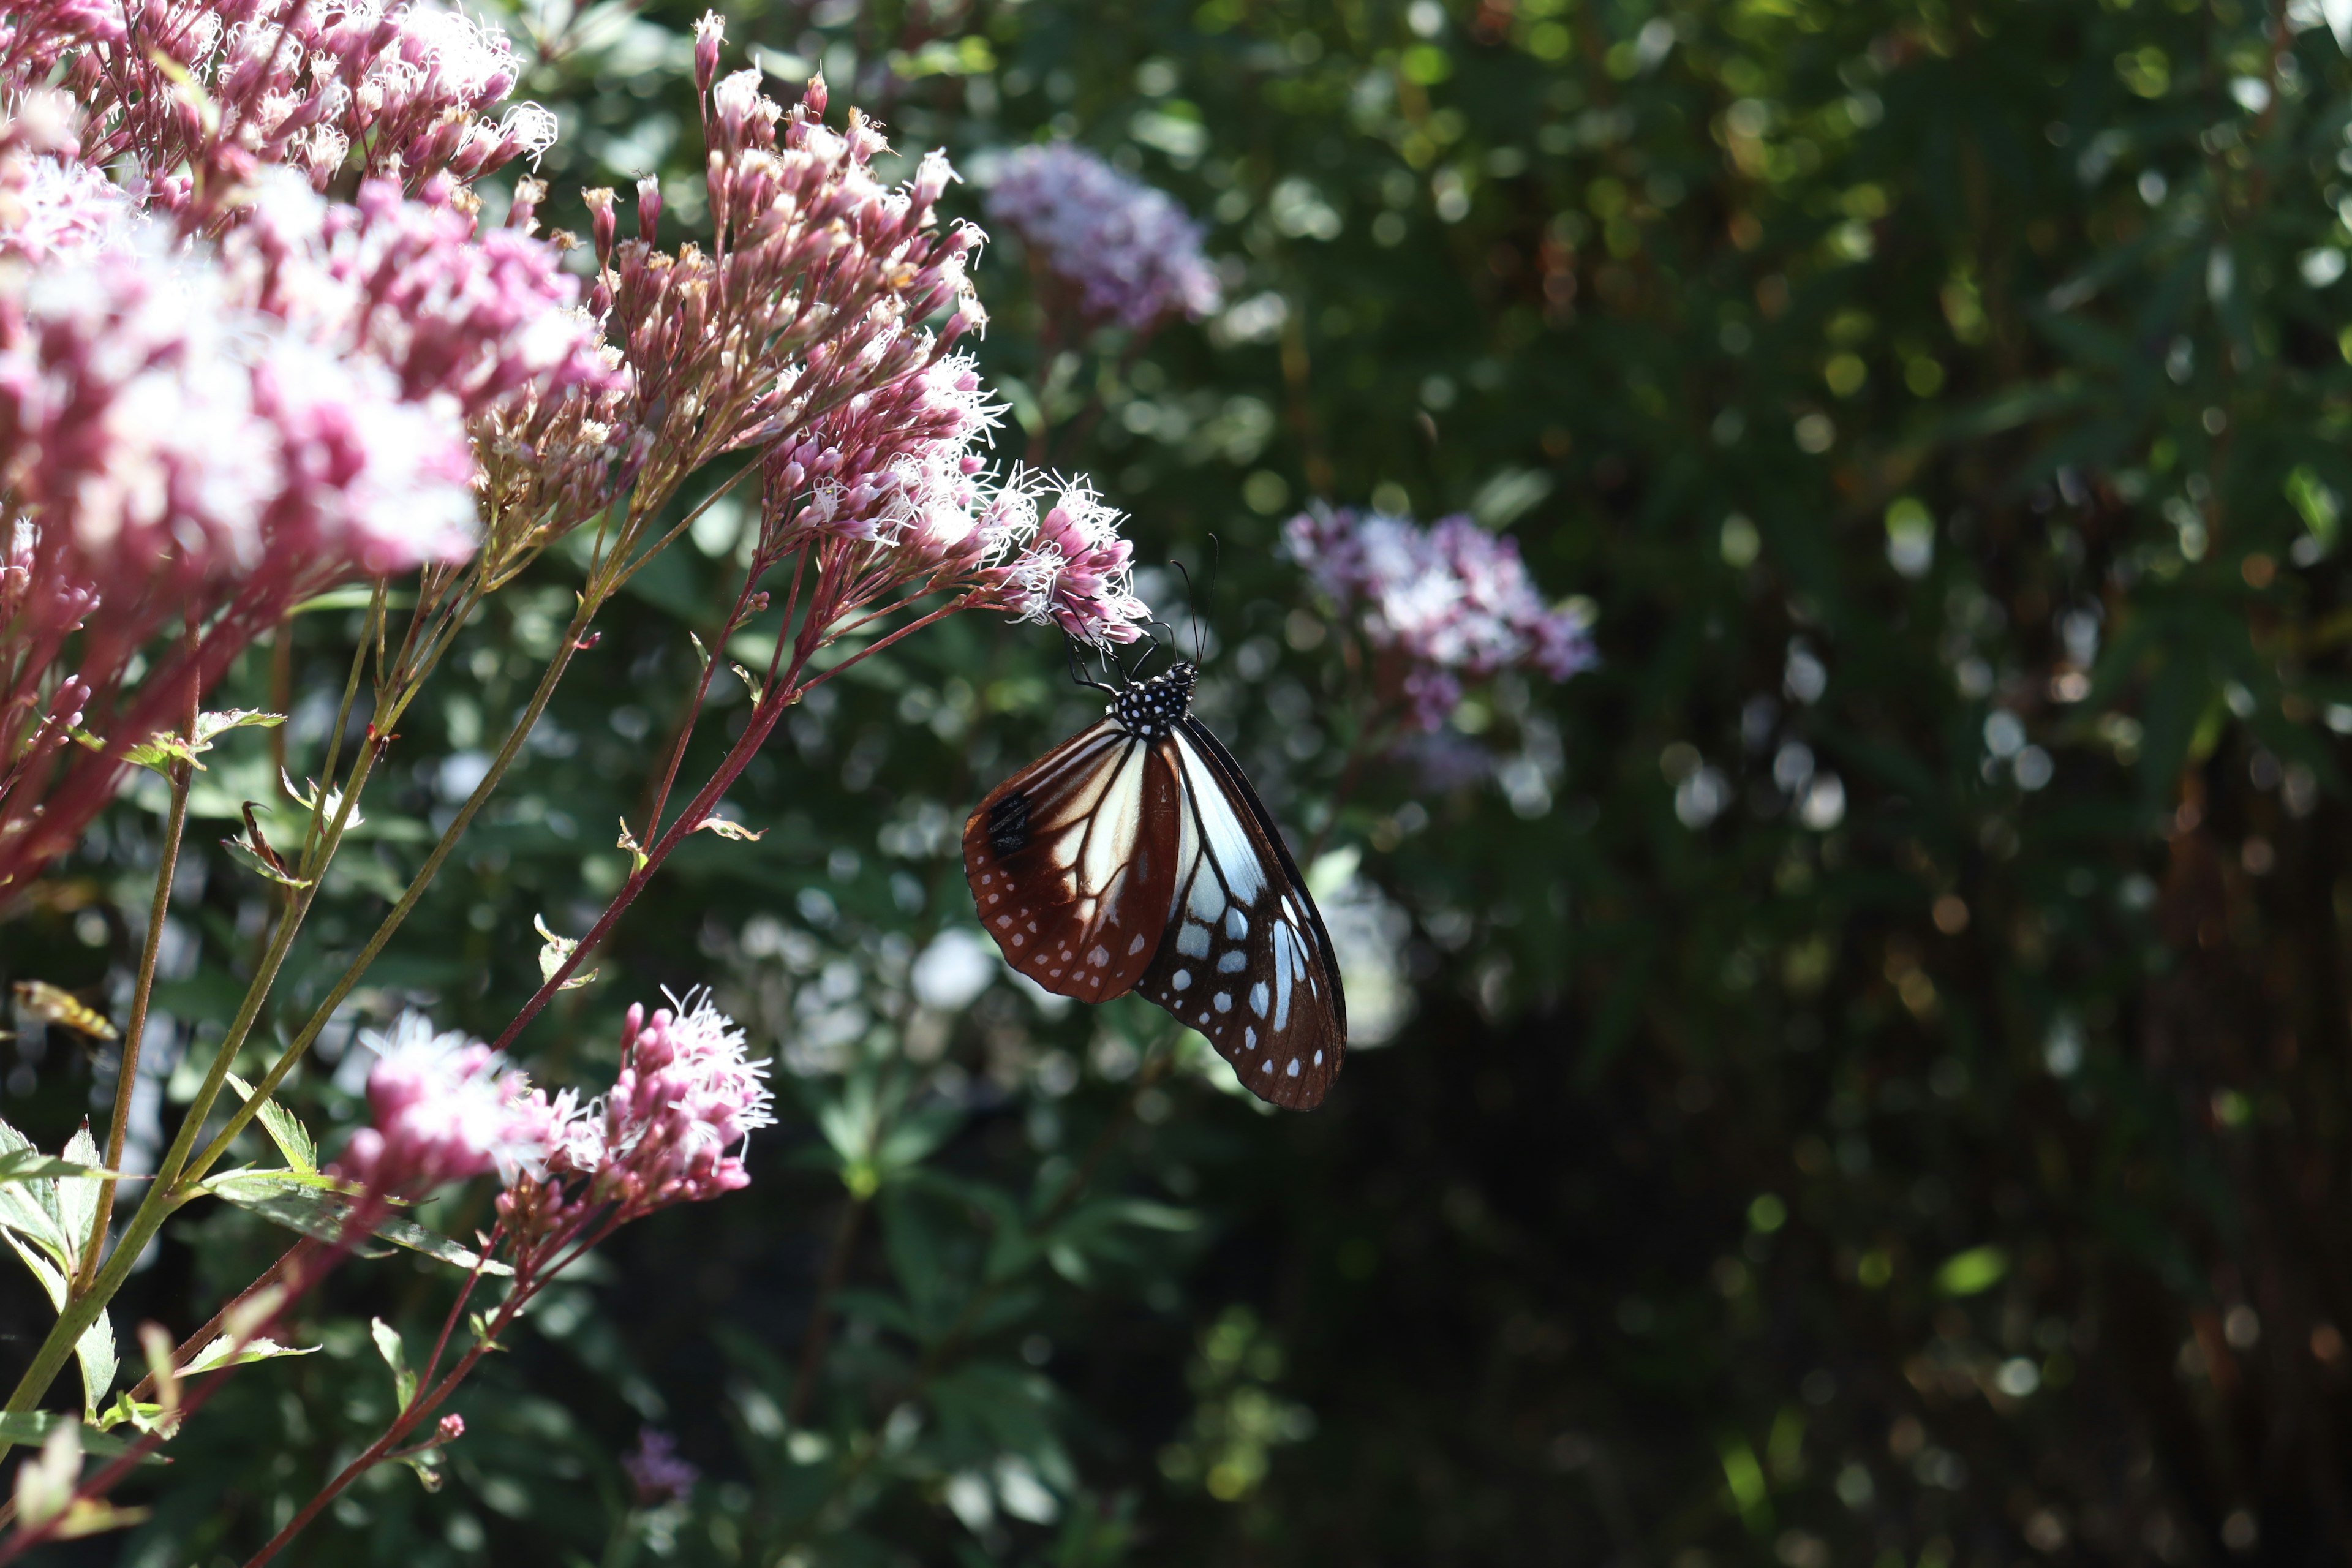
(285, 1129)
(78, 1201)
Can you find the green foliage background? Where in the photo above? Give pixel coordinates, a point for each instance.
(1946, 1166)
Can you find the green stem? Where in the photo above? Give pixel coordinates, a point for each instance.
(399, 913)
(126, 1076)
(164, 1194)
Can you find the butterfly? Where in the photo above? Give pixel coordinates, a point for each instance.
(1135, 857)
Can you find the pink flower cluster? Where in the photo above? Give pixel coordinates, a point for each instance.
(896, 467)
(203, 433)
(672, 1128)
(446, 1108)
(1125, 252)
(1075, 572)
(1447, 604)
(203, 94)
(472, 317)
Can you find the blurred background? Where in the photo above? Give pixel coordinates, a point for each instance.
(1858, 1078)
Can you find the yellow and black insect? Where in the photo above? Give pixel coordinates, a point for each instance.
(56, 1004)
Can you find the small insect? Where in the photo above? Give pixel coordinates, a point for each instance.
(56, 1004)
(1135, 857)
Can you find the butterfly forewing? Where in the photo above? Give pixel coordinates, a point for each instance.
(1244, 959)
(1071, 861)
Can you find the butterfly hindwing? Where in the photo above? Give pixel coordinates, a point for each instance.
(1245, 958)
(1071, 861)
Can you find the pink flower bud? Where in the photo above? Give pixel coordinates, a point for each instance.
(708, 33)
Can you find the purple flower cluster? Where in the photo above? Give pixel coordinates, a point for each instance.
(1123, 251)
(656, 1472)
(446, 1108)
(1444, 604)
(209, 91)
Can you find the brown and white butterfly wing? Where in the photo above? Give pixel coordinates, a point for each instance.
(1071, 861)
(1246, 961)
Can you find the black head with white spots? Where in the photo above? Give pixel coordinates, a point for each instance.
(1149, 709)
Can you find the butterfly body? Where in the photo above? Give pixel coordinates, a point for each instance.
(1135, 857)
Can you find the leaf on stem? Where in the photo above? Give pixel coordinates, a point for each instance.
(38, 1426)
(251, 849)
(216, 1355)
(753, 683)
(730, 829)
(396, 1356)
(285, 1129)
(31, 1164)
(701, 654)
(629, 841)
(163, 748)
(556, 949)
(307, 798)
(318, 1205)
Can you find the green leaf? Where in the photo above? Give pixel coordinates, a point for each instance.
(28, 1205)
(396, 1356)
(34, 1426)
(30, 1165)
(78, 1202)
(215, 1354)
(158, 751)
(285, 1129)
(318, 1205)
(267, 867)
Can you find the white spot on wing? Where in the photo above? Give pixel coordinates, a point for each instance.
(1180, 979)
(1236, 924)
(1192, 942)
(1257, 998)
(1233, 962)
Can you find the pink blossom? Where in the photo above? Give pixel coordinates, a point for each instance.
(673, 1126)
(445, 1108)
(1127, 252)
(895, 466)
(1451, 602)
(410, 283)
(1075, 571)
(409, 88)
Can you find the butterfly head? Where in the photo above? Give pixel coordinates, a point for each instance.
(1150, 708)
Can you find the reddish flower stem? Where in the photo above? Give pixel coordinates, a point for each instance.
(780, 696)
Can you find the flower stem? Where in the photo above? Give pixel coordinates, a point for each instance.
(126, 1077)
(399, 913)
(780, 696)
